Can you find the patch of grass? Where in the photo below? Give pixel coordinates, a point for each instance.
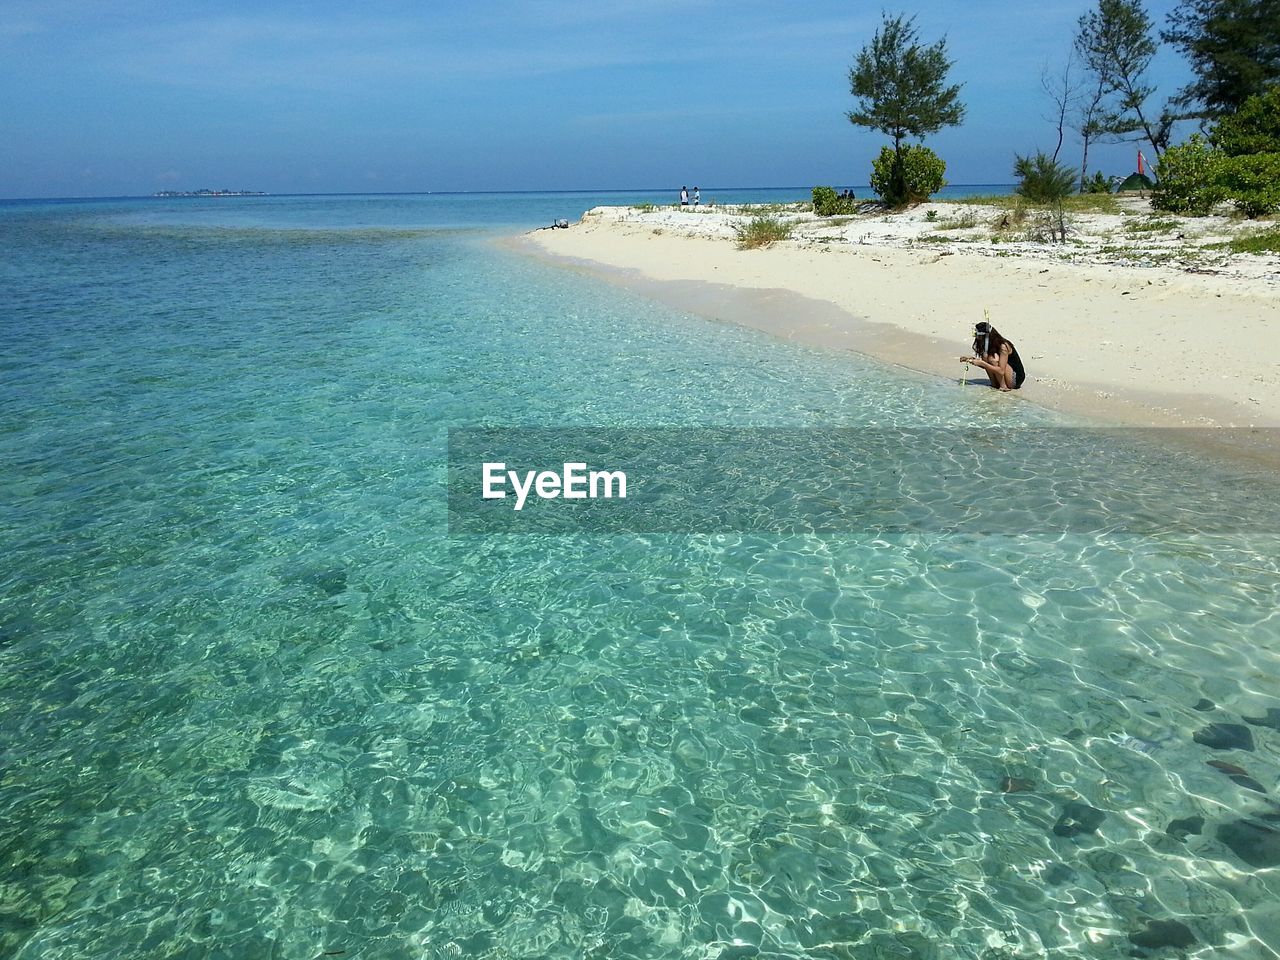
(1151, 225)
(645, 207)
(1077, 203)
(1011, 225)
(934, 238)
(1268, 241)
(1092, 203)
(964, 221)
(761, 231)
(771, 209)
(987, 200)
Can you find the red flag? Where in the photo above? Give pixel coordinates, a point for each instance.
(1141, 161)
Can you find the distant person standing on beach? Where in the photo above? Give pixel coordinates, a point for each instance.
(998, 356)
(684, 196)
(697, 197)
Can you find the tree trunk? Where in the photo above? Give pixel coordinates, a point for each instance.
(898, 182)
(1084, 161)
(1146, 128)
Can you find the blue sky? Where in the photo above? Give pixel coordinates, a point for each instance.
(123, 97)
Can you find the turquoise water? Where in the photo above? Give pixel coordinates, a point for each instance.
(255, 702)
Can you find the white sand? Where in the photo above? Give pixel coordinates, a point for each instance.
(1100, 333)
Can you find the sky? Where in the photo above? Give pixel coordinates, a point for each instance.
(126, 97)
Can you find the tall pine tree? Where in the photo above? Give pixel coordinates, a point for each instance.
(902, 89)
(1233, 47)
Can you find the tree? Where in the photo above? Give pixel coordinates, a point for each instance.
(1041, 179)
(1240, 162)
(902, 90)
(1064, 90)
(1233, 47)
(1116, 45)
(1088, 121)
(1254, 128)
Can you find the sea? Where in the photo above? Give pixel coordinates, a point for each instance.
(260, 699)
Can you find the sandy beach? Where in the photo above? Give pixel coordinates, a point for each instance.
(1137, 321)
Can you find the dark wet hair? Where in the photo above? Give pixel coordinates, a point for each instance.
(987, 340)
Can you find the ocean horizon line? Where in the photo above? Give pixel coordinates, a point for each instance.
(445, 193)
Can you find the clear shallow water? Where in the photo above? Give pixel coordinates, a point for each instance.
(255, 702)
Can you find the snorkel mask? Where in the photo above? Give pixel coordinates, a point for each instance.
(983, 328)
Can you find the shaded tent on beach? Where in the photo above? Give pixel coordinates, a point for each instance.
(1135, 181)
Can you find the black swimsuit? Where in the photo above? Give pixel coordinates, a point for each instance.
(1019, 372)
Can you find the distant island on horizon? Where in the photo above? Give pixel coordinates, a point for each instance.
(209, 193)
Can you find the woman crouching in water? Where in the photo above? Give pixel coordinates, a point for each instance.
(998, 356)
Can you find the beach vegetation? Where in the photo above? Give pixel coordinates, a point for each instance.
(1254, 128)
(1087, 118)
(1252, 183)
(1116, 43)
(1077, 203)
(1151, 225)
(911, 174)
(1045, 182)
(1249, 141)
(1233, 49)
(1239, 161)
(1092, 203)
(1041, 179)
(1099, 184)
(1047, 224)
(961, 221)
(1266, 241)
(761, 231)
(902, 91)
(828, 203)
(772, 209)
(1010, 219)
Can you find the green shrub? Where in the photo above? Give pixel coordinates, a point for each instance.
(1099, 184)
(1266, 242)
(1252, 183)
(828, 203)
(1041, 180)
(1254, 128)
(760, 232)
(921, 175)
(1189, 179)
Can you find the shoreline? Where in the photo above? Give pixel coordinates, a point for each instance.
(888, 299)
